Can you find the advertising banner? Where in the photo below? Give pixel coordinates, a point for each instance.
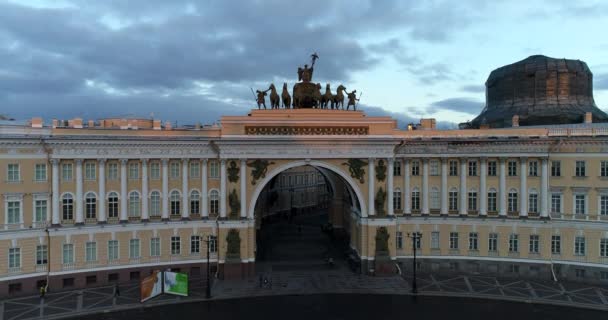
(151, 286)
(176, 283)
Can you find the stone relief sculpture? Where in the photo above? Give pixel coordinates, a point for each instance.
(380, 170)
(259, 169)
(382, 241)
(233, 172)
(233, 241)
(235, 204)
(355, 167)
(379, 202)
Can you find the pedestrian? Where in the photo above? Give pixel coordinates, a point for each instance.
(116, 290)
(265, 281)
(42, 291)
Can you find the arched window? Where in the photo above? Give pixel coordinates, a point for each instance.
(155, 204)
(175, 202)
(533, 201)
(453, 199)
(90, 205)
(415, 199)
(195, 202)
(67, 207)
(434, 197)
(113, 205)
(134, 204)
(214, 202)
(512, 200)
(492, 200)
(397, 199)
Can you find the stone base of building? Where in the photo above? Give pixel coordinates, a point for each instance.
(236, 270)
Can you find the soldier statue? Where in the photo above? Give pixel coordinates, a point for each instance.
(260, 98)
(352, 100)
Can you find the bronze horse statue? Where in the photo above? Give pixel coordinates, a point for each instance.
(274, 97)
(326, 98)
(338, 98)
(286, 97)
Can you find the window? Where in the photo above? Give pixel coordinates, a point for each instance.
(195, 169)
(13, 173)
(66, 172)
(113, 205)
(556, 202)
(91, 251)
(42, 253)
(579, 203)
(67, 206)
(533, 169)
(604, 247)
(604, 168)
(397, 199)
(453, 168)
(68, 253)
(604, 275)
(492, 200)
(491, 168)
(134, 204)
(472, 168)
(214, 170)
(14, 258)
(134, 248)
(579, 246)
(415, 199)
(556, 244)
(155, 247)
(512, 201)
(556, 168)
(415, 168)
(512, 168)
(214, 202)
(40, 210)
(89, 171)
(493, 242)
(580, 168)
(472, 200)
(175, 245)
(579, 273)
(417, 240)
(533, 201)
(133, 171)
(155, 170)
(435, 240)
(434, 167)
(513, 243)
(534, 243)
(453, 200)
(13, 209)
(397, 168)
(603, 204)
(174, 170)
(175, 202)
(195, 244)
(112, 171)
(434, 198)
(213, 243)
(399, 238)
(113, 250)
(40, 172)
(195, 202)
(155, 204)
(454, 240)
(90, 206)
(473, 238)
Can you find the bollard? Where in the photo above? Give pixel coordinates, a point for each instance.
(79, 300)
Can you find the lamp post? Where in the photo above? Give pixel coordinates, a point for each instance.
(208, 289)
(415, 237)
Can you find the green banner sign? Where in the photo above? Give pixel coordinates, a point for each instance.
(176, 283)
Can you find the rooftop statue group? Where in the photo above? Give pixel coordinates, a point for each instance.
(307, 94)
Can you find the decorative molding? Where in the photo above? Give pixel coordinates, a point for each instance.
(312, 130)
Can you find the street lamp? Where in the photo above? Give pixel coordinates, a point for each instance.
(415, 238)
(208, 289)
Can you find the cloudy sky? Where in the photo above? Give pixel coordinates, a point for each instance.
(192, 61)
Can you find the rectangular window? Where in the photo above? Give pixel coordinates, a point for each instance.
(512, 168)
(112, 171)
(493, 242)
(435, 240)
(415, 168)
(533, 202)
(175, 245)
(513, 243)
(134, 248)
(195, 244)
(453, 168)
(415, 200)
(195, 169)
(89, 170)
(603, 204)
(473, 241)
(434, 167)
(42, 253)
(91, 251)
(534, 243)
(580, 168)
(492, 201)
(512, 202)
(579, 246)
(492, 168)
(214, 170)
(604, 247)
(556, 168)
(66, 172)
(453, 240)
(580, 204)
(533, 169)
(399, 238)
(40, 172)
(155, 170)
(213, 244)
(133, 171)
(453, 201)
(40, 210)
(397, 168)
(68, 253)
(14, 258)
(556, 244)
(13, 209)
(472, 201)
(13, 174)
(174, 170)
(472, 168)
(556, 203)
(397, 200)
(113, 250)
(155, 247)
(604, 168)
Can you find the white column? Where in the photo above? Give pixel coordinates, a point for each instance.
(407, 208)
(243, 192)
(165, 212)
(145, 214)
(79, 200)
(185, 209)
(502, 188)
(390, 187)
(444, 186)
(370, 188)
(204, 204)
(56, 221)
(223, 188)
(425, 186)
(523, 187)
(483, 193)
(544, 189)
(463, 187)
(123, 191)
(101, 200)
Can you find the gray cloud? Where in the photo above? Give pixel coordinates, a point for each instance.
(601, 82)
(465, 105)
(473, 88)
